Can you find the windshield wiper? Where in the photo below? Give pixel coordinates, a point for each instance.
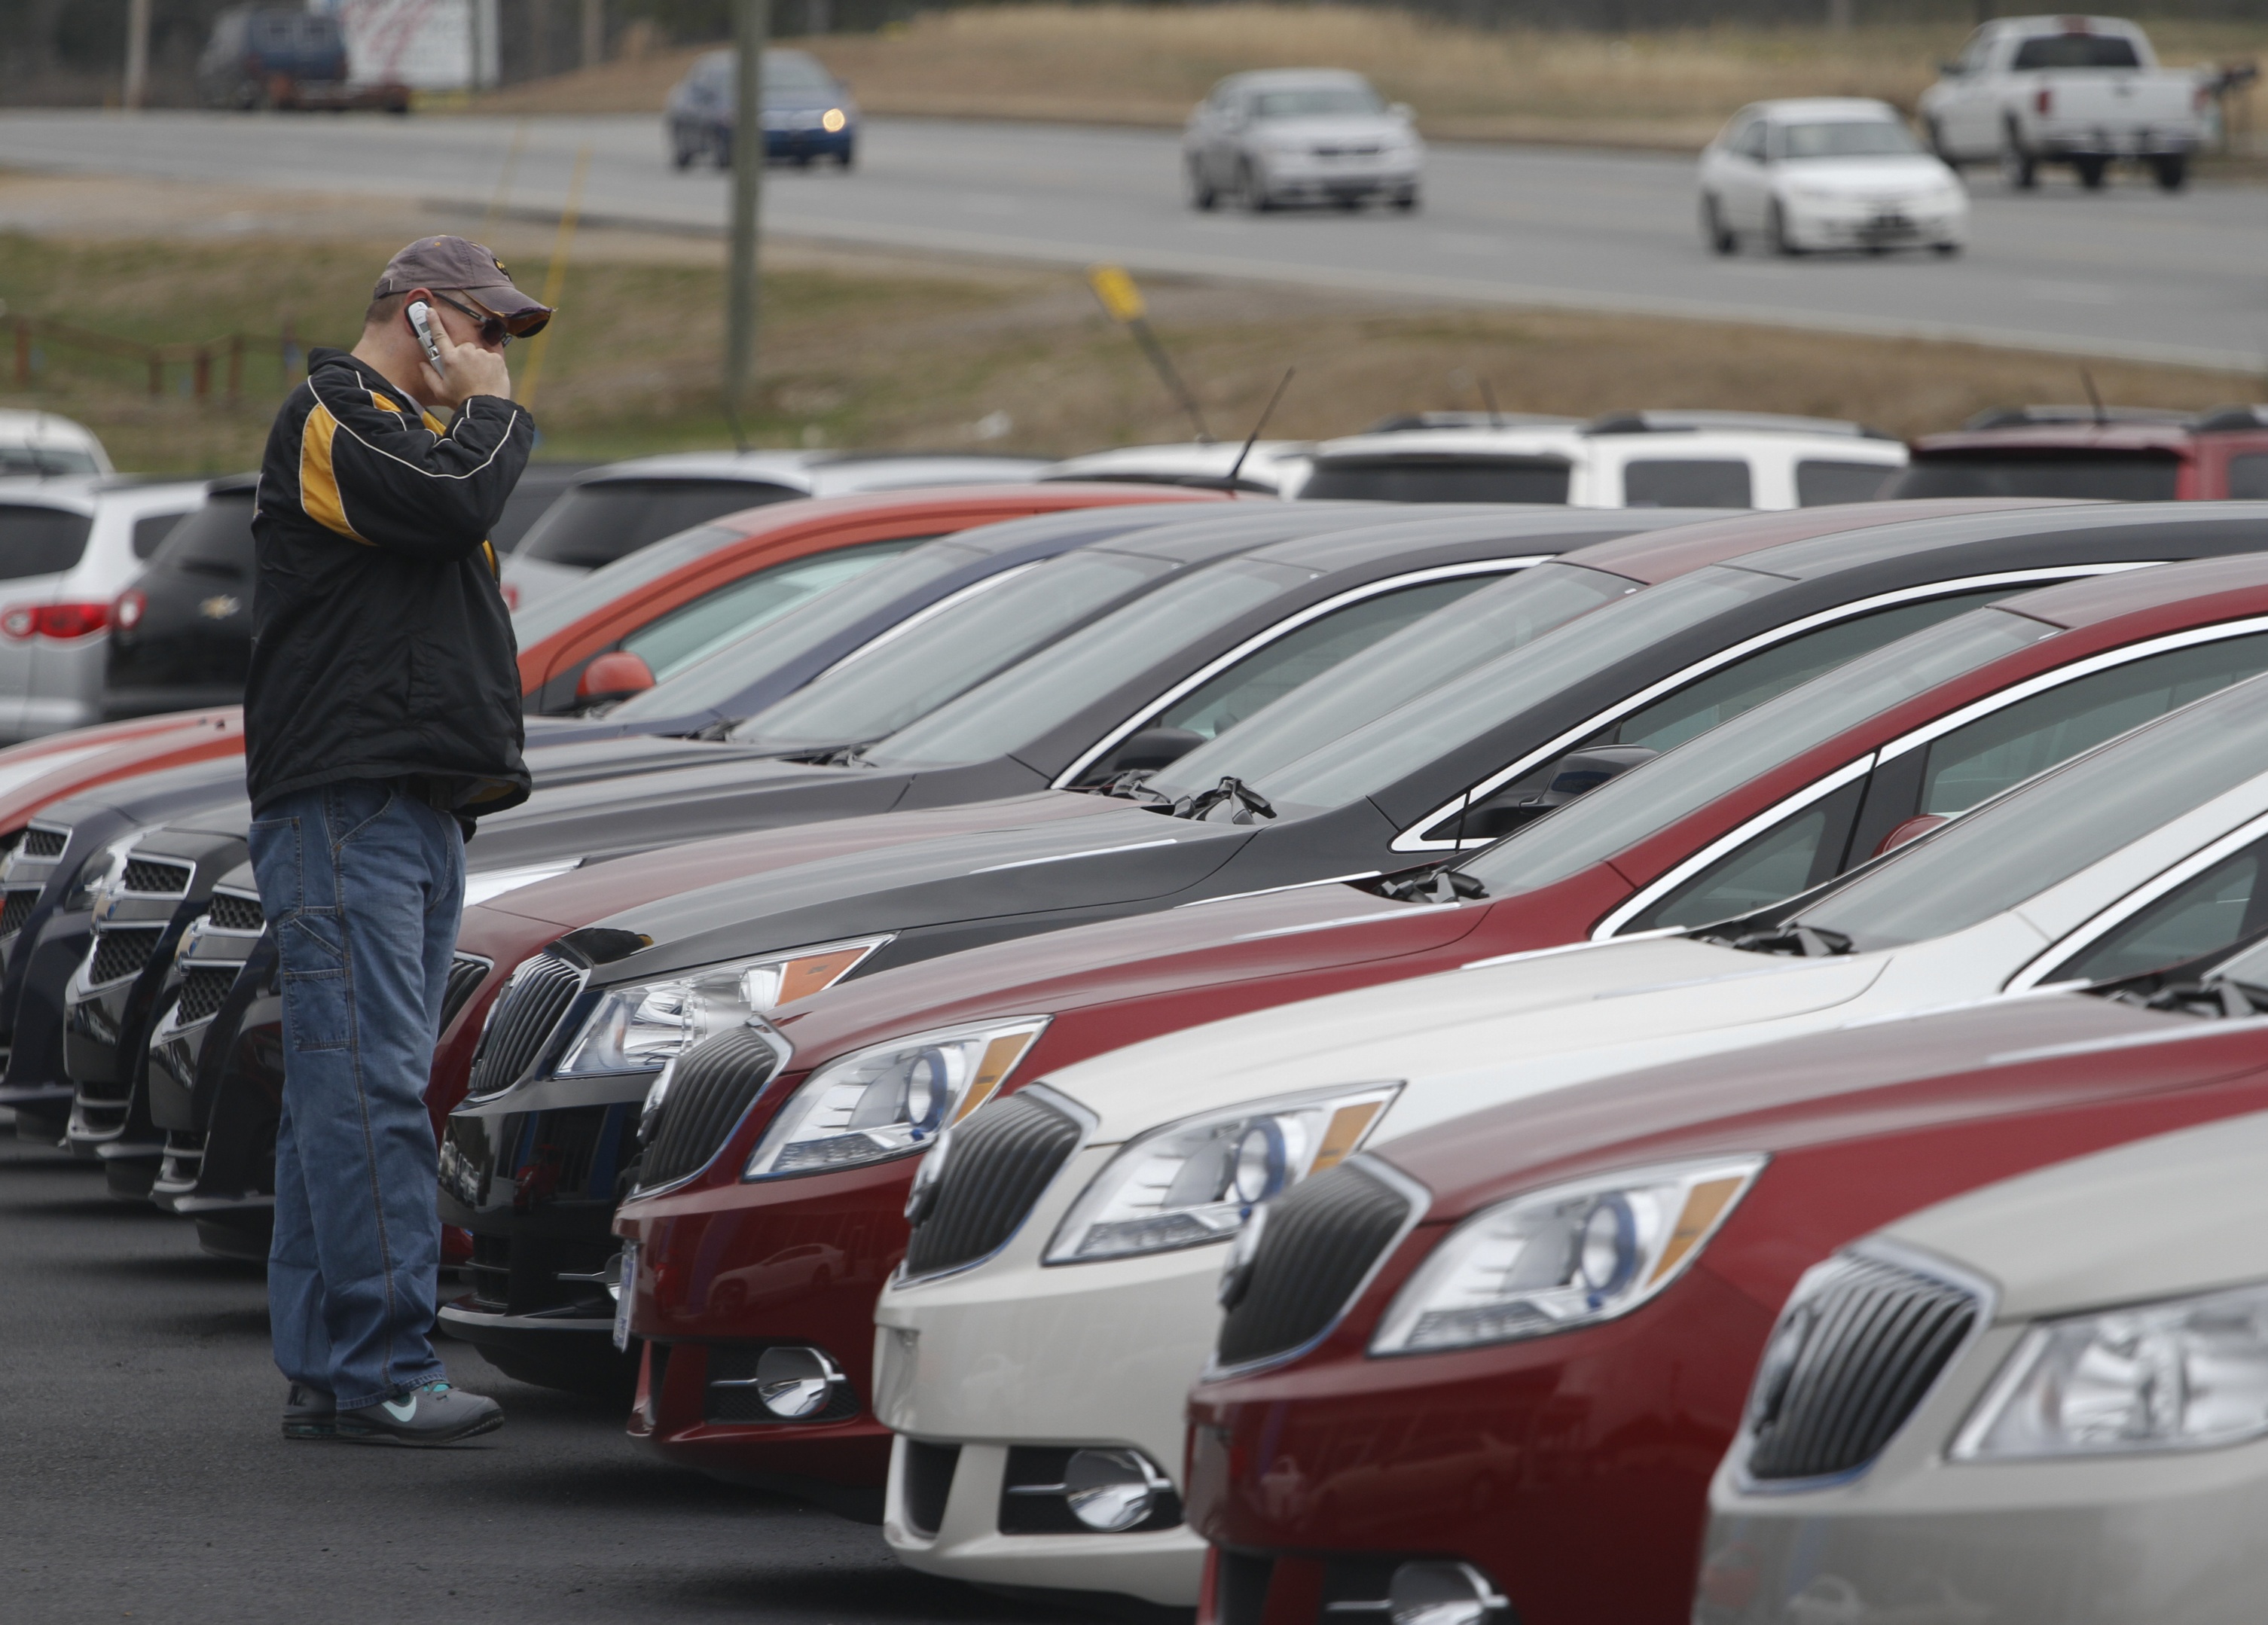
(1442, 882)
(719, 732)
(1809, 942)
(2216, 998)
(1248, 801)
(1132, 785)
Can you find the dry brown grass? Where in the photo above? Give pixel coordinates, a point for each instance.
(1141, 65)
(862, 350)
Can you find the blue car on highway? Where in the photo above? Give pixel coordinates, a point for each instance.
(808, 112)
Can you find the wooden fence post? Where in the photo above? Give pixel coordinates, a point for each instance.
(203, 389)
(235, 364)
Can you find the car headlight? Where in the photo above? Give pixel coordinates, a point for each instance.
(639, 1027)
(891, 1099)
(2188, 1373)
(1563, 1257)
(832, 120)
(1197, 1180)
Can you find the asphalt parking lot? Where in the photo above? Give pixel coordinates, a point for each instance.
(145, 1479)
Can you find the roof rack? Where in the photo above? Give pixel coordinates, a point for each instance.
(2030, 417)
(1678, 422)
(1401, 423)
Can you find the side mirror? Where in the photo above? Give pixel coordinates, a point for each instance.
(1571, 775)
(616, 675)
(1150, 748)
(1919, 824)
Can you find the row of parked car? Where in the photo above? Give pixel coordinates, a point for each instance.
(1462, 1061)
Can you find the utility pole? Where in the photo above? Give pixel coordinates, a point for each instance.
(137, 51)
(595, 33)
(751, 23)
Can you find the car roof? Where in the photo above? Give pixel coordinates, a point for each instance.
(1523, 528)
(1187, 460)
(1286, 78)
(1658, 557)
(1850, 550)
(2097, 600)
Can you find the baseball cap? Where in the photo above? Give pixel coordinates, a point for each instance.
(453, 263)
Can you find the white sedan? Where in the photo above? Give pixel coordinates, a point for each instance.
(1840, 172)
(1301, 136)
(1066, 1349)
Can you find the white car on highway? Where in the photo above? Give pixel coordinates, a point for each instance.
(1301, 136)
(2095, 1448)
(1057, 1296)
(1623, 459)
(1828, 172)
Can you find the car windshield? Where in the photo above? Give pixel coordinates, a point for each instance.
(2048, 828)
(1846, 138)
(1650, 797)
(1475, 631)
(1437, 478)
(214, 541)
(724, 615)
(602, 521)
(16, 461)
(887, 684)
(1317, 101)
(731, 672)
(2105, 475)
(1057, 683)
(2077, 50)
(1357, 762)
(794, 71)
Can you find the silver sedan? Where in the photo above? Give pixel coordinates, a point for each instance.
(1301, 136)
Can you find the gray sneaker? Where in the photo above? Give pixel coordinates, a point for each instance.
(308, 1414)
(433, 1413)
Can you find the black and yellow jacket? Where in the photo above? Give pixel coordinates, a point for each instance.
(381, 643)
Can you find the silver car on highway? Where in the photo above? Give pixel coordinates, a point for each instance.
(2095, 1449)
(1301, 136)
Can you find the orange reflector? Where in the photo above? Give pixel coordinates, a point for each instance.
(816, 973)
(1348, 1125)
(1000, 1058)
(1703, 1204)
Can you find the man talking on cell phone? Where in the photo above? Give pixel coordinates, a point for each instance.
(381, 716)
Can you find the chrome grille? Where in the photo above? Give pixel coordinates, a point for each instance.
(521, 1024)
(233, 911)
(203, 989)
(1852, 1356)
(466, 971)
(46, 840)
(711, 1089)
(1318, 1244)
(16, 908)
(155, 878)
(122, 951)
(997, 1162)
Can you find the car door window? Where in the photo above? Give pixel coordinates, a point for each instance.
(2248, 474)
(1958, 770)
(1751, 145)
(730, 612)
(150, 531)
(1819, 482)
(2222, 907)
(1685, 482)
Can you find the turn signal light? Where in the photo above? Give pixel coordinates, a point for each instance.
(61, 621)
(127, 613)
(2044, 102)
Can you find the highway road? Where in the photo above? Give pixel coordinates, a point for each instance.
(2128, 272)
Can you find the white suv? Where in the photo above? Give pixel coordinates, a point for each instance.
(1623, 459)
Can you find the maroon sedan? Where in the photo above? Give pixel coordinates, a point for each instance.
(1786, 795)
(1486, 1371)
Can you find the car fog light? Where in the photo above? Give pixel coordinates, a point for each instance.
(793, 1381)
(1111, 1491)
(1441, 1593)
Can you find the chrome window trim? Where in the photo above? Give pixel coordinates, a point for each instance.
(1410, 841)
(1258, 641)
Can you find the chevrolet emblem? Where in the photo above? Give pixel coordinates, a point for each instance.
(218, 607)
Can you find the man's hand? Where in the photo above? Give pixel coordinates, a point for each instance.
(466, 370)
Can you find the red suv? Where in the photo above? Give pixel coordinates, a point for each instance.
(2117, 454)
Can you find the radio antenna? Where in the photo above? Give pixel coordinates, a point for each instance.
(1488, 399)
(2094, 397)
(1266, 413)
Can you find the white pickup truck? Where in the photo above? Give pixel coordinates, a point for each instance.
(2083, 91)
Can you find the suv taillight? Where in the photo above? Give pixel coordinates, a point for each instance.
(61, 621)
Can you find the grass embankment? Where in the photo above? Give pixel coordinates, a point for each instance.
(899, 355)
(1145, 65)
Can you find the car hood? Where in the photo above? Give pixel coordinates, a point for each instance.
(31, 782)
(2020, 1054)
(2180, 1213)
(1868, 174)
(1193, 947)
(858, 877)
(1469, 1038)
(1376, 126)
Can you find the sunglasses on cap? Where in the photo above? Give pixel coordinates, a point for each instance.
(494, 329)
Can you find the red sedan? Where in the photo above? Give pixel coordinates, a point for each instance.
(1412, 1415)
(1772, 805)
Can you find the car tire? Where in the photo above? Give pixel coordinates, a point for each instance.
(1945, 251)
(1406, 201)
(2171, 170)
(1776, 232)
(845, 157)
(2092, 172)
(2019, 168)
(1253, 196)
(1720, 238)
(1203, 197)
(681, 151)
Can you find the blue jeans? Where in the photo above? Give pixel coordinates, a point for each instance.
(363, 887)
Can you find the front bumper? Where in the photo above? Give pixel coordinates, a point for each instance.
(1818, 226)
(2170, 1538)
(1009, 1355)
(1316, 181)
